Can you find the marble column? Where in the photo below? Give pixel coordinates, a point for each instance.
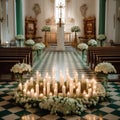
(19, 17)
(102, 4)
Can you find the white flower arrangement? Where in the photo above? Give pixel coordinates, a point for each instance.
(82, 46)
(75, 29)
(21, 68)
(45, 28)
(105, 67)
(92, 42)
(20, 37)
(101, 37)
(38, 46)
(29, 42)
(60, 104)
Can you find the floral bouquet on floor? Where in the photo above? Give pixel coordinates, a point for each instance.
(20, 69)
(103, 69)
(92, 42)
(101, 38)
(29, 42)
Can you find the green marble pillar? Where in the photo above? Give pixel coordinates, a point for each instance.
(102, 6)
(19, 17)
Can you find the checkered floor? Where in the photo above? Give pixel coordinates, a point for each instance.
(109, 110)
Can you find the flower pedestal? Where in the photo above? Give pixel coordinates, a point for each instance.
(20, 43)
(104, 80)
(83, 54)
(75, 41)
(46, 42)
(101, 43)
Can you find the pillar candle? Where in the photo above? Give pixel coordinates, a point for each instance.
(64, 90)
(20, 86)
(28, 93)
(37, 89)
(32, 92)
(71, 89)
(44, 91)
(31, 81)
(48, 88)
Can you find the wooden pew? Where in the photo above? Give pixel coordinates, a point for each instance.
(12, 55)
(96, 55)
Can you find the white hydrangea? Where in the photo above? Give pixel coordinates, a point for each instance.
(19, 36)
(21, 68)
(29, 42)
(101, 37)
(105, 67)
(92, 42)
(82, 46)
(38, 46)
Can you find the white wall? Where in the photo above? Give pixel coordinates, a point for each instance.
(110, 19)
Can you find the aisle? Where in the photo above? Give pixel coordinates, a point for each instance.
(61, 61)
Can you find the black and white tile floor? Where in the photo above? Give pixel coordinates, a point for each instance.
(109, 110)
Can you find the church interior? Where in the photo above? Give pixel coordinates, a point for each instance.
(59, 60)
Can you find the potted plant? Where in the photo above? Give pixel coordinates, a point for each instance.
(46, 29)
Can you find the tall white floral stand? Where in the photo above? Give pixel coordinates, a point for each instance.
(60, 37)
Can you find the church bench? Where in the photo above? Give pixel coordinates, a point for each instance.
(99, 54)
(17, 51)
(12, 55)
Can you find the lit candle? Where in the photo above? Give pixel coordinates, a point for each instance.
(56, 89)
(90, 91)
(64, 90)
(37, 89)
(50, 94)
(44, 91)
(41, 95)
(77, 92)
(31, 81)
(76, 78)
(53, 81)
(61, 79)
(48, 88)
(71, 89)
(79, 87)
(28, 93)
(32, 92)
(35, 95)
(24, 91)
(68, 94)
(20, 86)
(44, 82)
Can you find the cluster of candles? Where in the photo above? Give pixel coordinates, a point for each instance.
(48, 86)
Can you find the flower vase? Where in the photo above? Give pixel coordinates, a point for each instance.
(101, 43)
(20, 43)
(83, 54)
(104, 80)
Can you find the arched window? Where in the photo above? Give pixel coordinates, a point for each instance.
(60, 11)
